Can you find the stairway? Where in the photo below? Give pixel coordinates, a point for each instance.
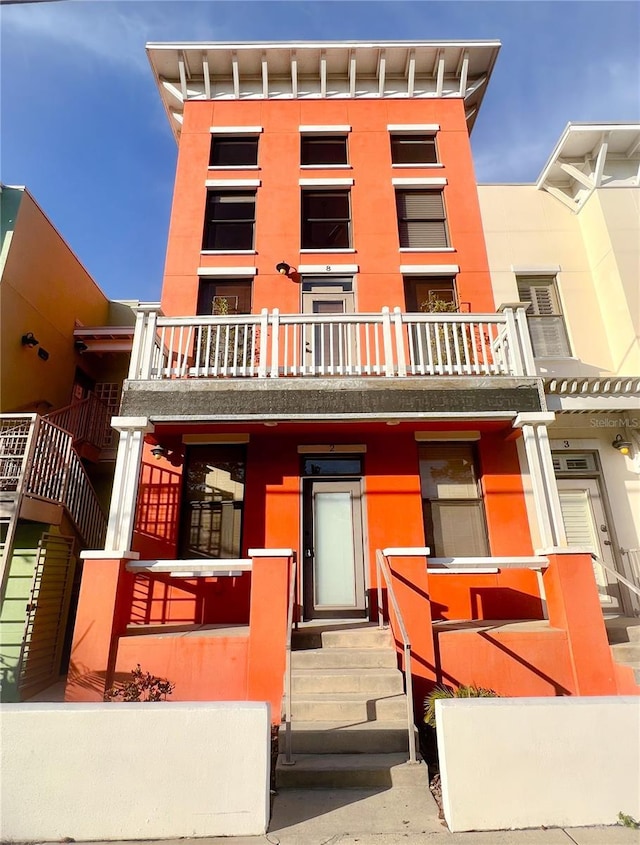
(624, 639)
(349, 711)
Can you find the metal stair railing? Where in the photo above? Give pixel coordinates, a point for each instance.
(87, 420)
(383, 572)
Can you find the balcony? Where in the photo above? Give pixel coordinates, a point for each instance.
(273, 364)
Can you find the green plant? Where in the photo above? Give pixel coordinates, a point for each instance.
(143, 686)
(463, 691)
(628, 821)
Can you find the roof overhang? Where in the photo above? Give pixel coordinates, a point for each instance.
(314, 70)
(104, 338)
(581, 159)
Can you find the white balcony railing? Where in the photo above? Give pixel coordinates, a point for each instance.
(274, 345)
(37, 461)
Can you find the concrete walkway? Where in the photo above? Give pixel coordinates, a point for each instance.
(390, 817)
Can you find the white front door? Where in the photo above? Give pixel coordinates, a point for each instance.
(586, 527)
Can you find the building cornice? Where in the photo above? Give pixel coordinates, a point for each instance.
(321, 69)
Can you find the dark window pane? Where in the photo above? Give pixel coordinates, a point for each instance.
(232, 207)
(332, 466)
(233, 152)
(236, 296)
(213, 501)
(229, 220)
(326, 205)
(417, 292)
(323, 150)
(327, 235)
(413, 149)
(229, 236)
(457, 529)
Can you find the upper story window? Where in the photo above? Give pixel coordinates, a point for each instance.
(323, 150)
(422, 222)
(430, 293)
(230, 151)
(224, 296)
(229, 220)
(544, 316)
(414, 149)
(326, 220)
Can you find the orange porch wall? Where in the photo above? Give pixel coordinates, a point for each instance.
(374, 224)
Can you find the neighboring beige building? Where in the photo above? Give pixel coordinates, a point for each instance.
(64, 352)
(569, 246)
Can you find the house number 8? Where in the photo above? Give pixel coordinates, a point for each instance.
(328, 268)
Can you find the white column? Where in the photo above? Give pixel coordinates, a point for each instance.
(125, 482)
(543, 481)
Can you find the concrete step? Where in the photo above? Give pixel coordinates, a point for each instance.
(626, 652)
(344, 738)
(378, 681)
(356, 771)
(338, 658)
(622, 629)
(359, 635)
(348, 706)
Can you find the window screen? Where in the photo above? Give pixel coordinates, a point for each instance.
(413, 149)
(233, 152)
(452, 504)
(325, 220)
(324, 149)
(421, 219)
(229, 220)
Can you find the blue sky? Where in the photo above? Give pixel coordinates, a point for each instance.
(83, 127)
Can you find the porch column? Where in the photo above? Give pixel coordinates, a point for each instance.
(543, 480)
(125, 482)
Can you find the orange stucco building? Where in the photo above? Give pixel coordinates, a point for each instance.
(330, 383)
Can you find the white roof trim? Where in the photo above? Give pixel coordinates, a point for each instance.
(227, 271)
(235, 130)
(428, 269)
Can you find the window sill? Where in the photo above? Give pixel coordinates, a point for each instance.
(325, 167)
(428, 249)
(429, 165)
(228, 252)
(327, 251)
(223, 167)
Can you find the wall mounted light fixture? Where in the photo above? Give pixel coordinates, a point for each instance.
(623, 446)
(80, 346)
(29, 340)
(283, 268)
(158, 451)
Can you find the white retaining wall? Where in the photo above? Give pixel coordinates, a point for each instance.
(134, 771)
(527, 762)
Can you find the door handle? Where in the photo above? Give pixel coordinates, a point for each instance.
(308, 552)
(607, 543)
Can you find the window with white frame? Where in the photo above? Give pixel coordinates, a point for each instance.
(233, 151)
(544, 316)
(326, 220)
(323, 150)
(414, 149)
(422, 221)
(229, 220)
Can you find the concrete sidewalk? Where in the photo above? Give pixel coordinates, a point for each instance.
(394, 816)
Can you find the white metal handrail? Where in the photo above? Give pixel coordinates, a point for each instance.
(382, 568)
(389, 343)
(287, 676)
(87, 420)
(37, 460)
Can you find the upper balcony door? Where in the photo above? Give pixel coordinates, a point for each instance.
(327, 345)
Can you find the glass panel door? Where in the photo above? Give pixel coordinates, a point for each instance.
(333, 571)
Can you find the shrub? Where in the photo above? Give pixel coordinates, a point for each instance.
(464, 691)
(143, 686)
